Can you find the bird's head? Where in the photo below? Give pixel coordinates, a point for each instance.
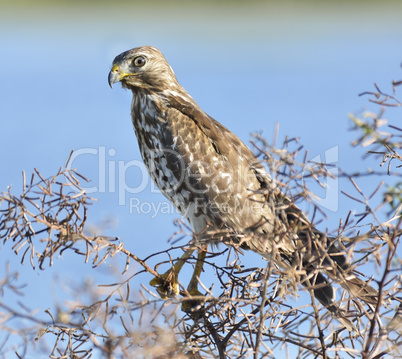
(142, 67)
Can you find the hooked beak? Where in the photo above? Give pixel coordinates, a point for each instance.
(117, 74)
(114, 75)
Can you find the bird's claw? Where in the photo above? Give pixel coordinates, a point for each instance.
(167, 285)
(190, 305)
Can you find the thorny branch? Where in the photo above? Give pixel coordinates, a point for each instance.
(386, 144)
(384, 99)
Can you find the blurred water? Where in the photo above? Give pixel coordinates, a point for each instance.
(249, 67)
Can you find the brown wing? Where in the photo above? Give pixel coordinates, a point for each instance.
(224, 178)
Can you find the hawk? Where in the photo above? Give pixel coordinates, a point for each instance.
(220, 186)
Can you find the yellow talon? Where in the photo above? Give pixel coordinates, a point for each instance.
(190, 305)
(167, 285)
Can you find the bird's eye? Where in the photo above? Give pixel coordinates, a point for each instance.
(139, 61)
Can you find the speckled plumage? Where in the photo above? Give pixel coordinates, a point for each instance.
(214, 179)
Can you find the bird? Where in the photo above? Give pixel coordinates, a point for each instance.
(220, 186)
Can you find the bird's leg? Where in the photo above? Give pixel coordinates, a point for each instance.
(192, 288)
(167, 285)
(193, 285)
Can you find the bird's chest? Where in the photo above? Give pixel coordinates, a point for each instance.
(164, 152)
(182, 160)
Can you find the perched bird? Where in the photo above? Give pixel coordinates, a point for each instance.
(220, 186)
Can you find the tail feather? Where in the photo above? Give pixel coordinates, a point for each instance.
(325, 294)
(322, 289)
(323, 264)
(335, 268)
(343, 274)
(358, 288)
